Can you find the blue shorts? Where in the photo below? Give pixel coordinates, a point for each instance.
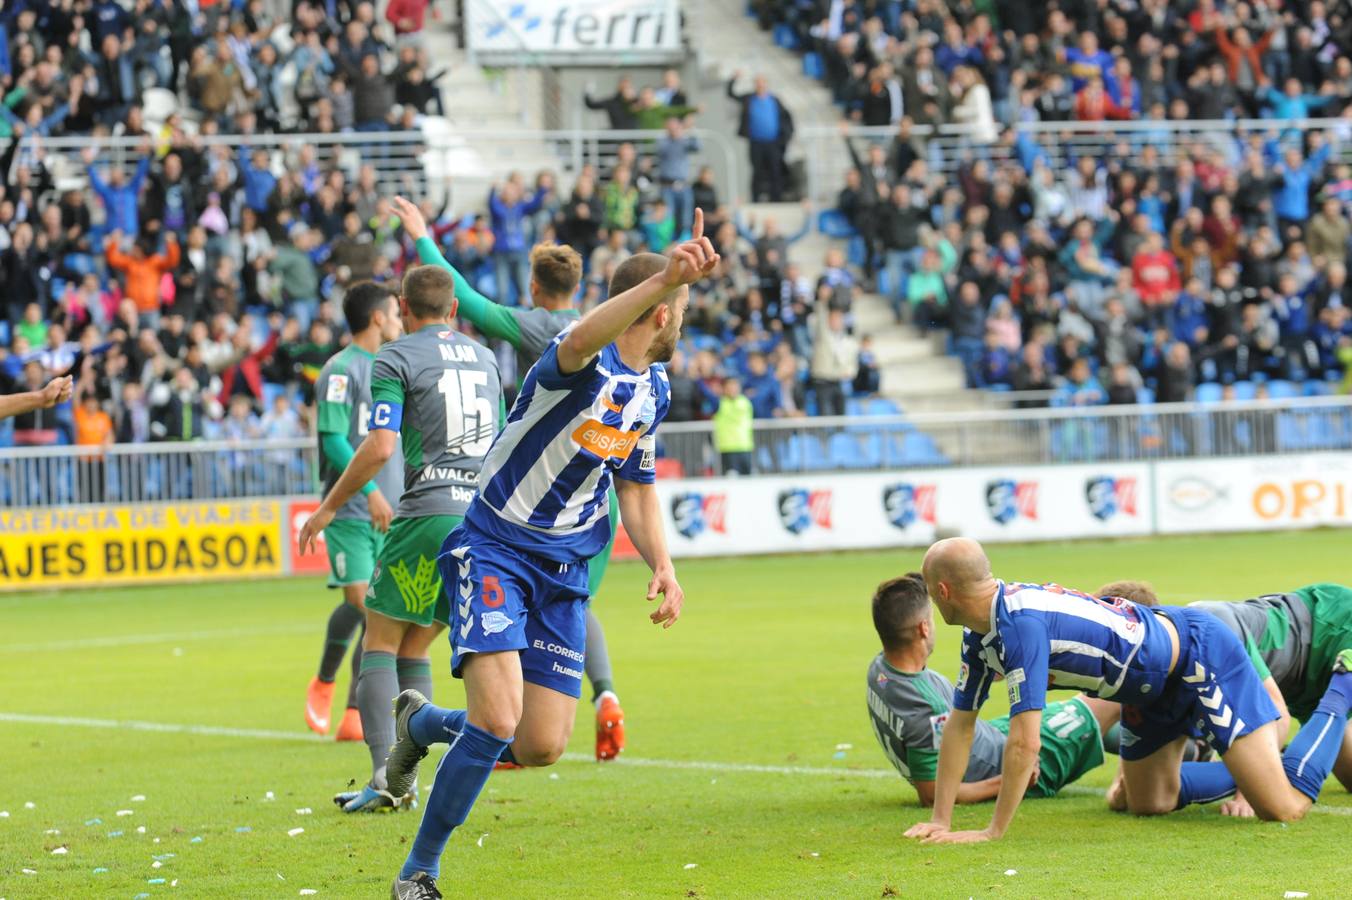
(506, 599)
(1214, 692)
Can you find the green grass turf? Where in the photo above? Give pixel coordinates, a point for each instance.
(766, 667)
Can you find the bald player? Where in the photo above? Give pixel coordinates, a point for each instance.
(909, 703)
(1170, 667)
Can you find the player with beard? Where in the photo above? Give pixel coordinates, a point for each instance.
(516, 569)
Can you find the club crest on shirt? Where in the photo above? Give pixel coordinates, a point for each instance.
(494, 621)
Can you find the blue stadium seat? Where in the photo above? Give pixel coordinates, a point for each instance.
(1208, 393)
(856, 251)
(832, 223)
(844, 451)
(1283, 390)
(815, 455)
(881, 406)
(999, 388)
(1245, 390)
(1145, 396)
(813, 67)
(1291, 432)
(854, 407)
(1315, 388)
(785, 37)
(270, 394)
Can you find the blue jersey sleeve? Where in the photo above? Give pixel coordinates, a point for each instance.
(547, 373)
(1026, 653)
(641, 466)
(974, 676)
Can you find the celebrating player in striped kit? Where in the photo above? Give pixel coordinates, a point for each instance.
(516, 569)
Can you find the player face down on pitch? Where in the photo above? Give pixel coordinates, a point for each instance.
(1173, 669)
(516, 569)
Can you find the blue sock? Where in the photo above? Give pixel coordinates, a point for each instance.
(1310, 757)
(434, 725)
(460, 777)
(1203, 783)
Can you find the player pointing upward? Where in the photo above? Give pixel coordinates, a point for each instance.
(554, 275)
(517, 568)
(1171, 667)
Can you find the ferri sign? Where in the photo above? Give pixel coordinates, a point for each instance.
(573, 32)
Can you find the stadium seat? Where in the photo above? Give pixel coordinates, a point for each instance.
(1316, 388)
(1209, 392)
(856, 251)
(1145, 396)
(832, 223)
(813, 67)
(1283, 390)
(785, 37)
(881, 406)
(1245, 390)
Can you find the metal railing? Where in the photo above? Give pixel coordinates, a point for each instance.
(150, 473)
(430, 162)
(1023, 436)
(947, 147)
(143, 473)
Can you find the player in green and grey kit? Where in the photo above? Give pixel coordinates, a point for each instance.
(354, 537)
(439, 392)
(909, 703)
(1292, 639)
(555, 274)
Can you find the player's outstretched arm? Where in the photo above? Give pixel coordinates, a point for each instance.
(687, 264)
(1016, 770)
(954, 750)
(375, 450)
(488, 317)
(57, 391)
(641, 512)
(968, 791)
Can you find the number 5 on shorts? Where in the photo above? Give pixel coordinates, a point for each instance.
(493, 597)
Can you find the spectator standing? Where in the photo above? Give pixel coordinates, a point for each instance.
(511, 245)
(835, 360)
(143, 269)
(734, 437)
(673, 172)
(768, 126)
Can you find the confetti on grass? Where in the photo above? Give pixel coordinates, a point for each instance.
(295, 831)
(1011, 871)
(304, 811)
(100, 870)
(692, 865)
(125, 812)
(1294, 895)
(196, 840)
(114, 834)
(308, 892)
(138, 798)
(30, 805)
(243, 829)
(61, 851)
(140, 829)
(93, 821)
(481, 838)
(29, 871)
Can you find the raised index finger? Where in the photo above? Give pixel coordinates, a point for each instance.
(697, 230)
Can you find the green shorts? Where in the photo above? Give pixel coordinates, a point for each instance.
(1071, 745)
(354, 546)
(1331, 633)
(406, 584)
(596, 566)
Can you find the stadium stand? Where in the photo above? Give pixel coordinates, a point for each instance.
(1210, 258)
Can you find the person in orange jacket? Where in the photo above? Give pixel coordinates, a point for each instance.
(142, 270)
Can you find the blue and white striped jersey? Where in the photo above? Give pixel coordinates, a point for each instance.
(1047, 636)
(543, 485)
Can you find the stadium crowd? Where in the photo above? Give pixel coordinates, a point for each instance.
(193, 288)
(1155, 262)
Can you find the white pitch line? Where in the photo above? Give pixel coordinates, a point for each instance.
(622, 762)
(129, 640)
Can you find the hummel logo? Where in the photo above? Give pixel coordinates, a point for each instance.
(1198, 674)
(1214, 702)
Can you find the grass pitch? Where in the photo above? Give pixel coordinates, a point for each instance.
(751, 770)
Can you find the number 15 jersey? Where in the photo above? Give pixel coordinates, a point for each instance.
(441, 391)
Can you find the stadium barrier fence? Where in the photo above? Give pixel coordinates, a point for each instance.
(947, 147)
(146, 513)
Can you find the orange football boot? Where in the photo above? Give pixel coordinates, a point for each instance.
(350, 728)
(318, 702)
(609, 727)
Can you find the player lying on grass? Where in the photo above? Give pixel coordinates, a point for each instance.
(517, 567)
(555, 273)
(909, 702)
(56, 391)
(439, 393)
(354, 538)
(1170, 667)
(1292, 639)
